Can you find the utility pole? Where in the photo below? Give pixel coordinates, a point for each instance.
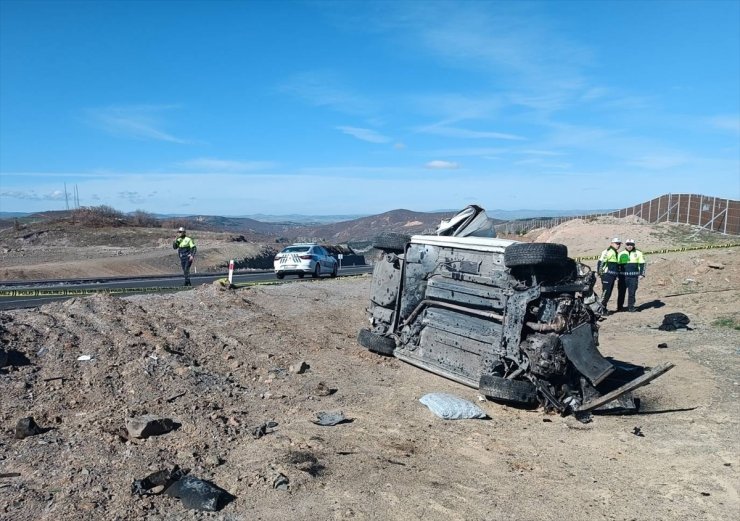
(66, 198)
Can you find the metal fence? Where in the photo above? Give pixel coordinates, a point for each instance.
(711, 213)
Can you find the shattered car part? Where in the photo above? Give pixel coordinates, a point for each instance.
(519, 321)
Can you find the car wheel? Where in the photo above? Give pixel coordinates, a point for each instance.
(511, 391)
(391, 242)
(335, 271)
(381, 345)
(280, 275)
(534, 253)
(316, 271)
(301, 275)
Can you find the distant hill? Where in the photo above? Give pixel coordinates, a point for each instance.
(366, 228)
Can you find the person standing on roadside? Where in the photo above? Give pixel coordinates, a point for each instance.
(608, 268)
(186, 249)
(631, 269)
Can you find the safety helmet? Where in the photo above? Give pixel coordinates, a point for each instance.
(630, 241)
(181, 229)
(617, 240)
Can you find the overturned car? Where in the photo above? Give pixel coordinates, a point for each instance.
(519, 321)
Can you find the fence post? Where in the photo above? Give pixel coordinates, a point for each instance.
(714, 205)
(688, 208)
(727, 214)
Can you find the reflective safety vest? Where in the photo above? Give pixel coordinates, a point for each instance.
(632, 263)
(608, 262)
(185, 246)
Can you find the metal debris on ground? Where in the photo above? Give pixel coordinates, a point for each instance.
(637, 431)
(330, 418)
(662, 345)
(280, 482)
(265, 428)
(193, 493)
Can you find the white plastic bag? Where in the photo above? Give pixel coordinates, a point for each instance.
(449, 407)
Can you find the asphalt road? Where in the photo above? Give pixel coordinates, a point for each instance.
(15, 295)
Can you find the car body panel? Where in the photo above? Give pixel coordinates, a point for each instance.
(454, 307)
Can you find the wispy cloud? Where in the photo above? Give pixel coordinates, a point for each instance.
(442, 165)
(365, 134)
(133, 197)
(134, 122)
(207, 164)
(464, 133)
(32, 195)
(326, 89)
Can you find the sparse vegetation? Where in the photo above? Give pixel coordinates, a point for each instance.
(731, 322)
(98, 216)
(145, 219)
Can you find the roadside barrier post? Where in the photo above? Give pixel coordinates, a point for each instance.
(231, 271)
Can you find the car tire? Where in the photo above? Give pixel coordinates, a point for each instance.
(375, 343)
(335, 271)
(510, 391)
(534, 253)
(317, 271)
(280, 275)
(391, 242)
(301, 275)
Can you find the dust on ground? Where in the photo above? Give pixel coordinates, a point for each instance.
(219, 362)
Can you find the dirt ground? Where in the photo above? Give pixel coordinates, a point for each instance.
(219, 362)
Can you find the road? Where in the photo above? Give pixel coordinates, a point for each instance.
(15, 295)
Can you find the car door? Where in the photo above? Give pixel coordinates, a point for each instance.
(321, 252)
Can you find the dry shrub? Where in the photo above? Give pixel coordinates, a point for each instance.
(145, 219)
(98, 216)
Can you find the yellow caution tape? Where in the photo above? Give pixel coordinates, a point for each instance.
(672, 250)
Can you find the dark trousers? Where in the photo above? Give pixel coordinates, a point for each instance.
(186, 263)
(607, 285)
(627, 284)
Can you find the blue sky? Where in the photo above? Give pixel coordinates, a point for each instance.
(316, 107)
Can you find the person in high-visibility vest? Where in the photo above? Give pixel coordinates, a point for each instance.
(186, 249)
(608, 268)
(631, 269)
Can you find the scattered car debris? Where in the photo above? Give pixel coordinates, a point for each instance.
(9, 475)
(265, 428)
(662, 345)
(27, 427)
(716, 265)
(449, 407)
(84, 358)
(518, 321)
(674, 321)
(156, 482)
(329, 419)
(280, 482)
(149, 425)
(199, 494)
(637, 431)
(193, 493)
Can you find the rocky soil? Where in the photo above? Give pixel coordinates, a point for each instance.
(223, 363)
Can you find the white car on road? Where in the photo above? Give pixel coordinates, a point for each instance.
(305, 259)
